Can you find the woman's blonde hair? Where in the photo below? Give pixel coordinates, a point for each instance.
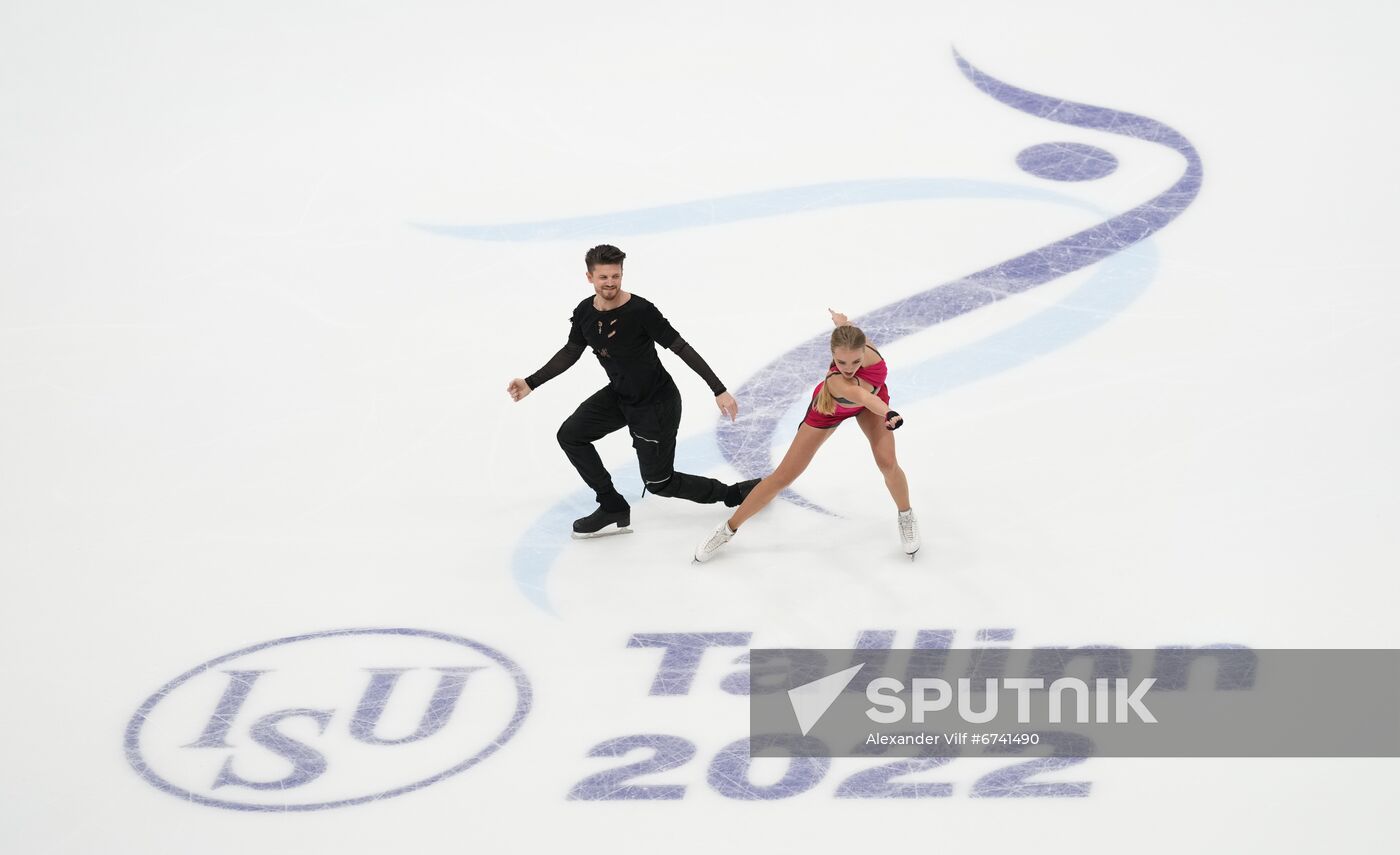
(848, 337)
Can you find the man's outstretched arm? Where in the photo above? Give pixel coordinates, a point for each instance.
(557, 364)
(665, 335)
(727, 405)
(680, 347)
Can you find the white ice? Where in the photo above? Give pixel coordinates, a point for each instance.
(247, 396)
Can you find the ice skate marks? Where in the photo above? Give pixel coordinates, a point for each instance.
(769, 394)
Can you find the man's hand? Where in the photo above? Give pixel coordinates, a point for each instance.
(518, 389)
(727, 405)
(839, 319)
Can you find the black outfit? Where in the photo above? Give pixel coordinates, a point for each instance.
(640, 396)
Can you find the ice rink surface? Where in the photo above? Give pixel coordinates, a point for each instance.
(285, 569)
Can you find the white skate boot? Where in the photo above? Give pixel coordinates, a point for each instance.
(909, 532)
(710, 545)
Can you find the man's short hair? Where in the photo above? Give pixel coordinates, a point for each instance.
(603, 253)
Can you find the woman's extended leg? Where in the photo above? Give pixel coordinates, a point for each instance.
(799, 454)
(882, 446)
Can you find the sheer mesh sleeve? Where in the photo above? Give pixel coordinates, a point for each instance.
(680, 347)
(557, 364)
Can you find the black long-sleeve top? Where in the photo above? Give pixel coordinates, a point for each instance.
(624, 340)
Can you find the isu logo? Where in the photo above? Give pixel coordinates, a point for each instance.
(328, 719)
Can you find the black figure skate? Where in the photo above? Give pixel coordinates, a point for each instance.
(603, 523)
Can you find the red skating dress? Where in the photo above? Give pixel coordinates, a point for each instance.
(873, 374)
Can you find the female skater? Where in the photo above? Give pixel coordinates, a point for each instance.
(854, 387)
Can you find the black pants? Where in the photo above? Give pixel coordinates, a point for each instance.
(653, 428)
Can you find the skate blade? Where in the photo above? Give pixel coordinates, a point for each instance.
(602, 533)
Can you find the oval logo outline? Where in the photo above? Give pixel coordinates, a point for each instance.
(524, 701)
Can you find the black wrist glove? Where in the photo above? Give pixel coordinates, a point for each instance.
(893, 415)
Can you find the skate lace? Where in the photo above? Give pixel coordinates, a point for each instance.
(718, 539)
(906, 526)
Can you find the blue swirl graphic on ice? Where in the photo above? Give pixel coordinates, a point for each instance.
(773, 389)
(771, 397)
(742, 206)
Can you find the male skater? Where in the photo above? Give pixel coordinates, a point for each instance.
(623, 330)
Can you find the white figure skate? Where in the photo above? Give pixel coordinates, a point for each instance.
(909, 532)
(710, 545)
